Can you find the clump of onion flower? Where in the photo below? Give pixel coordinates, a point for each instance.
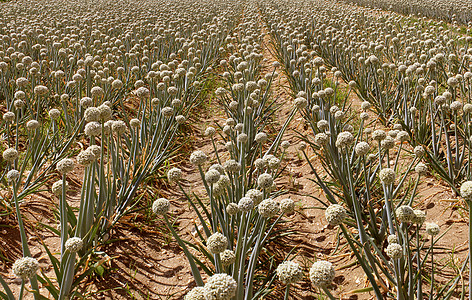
(466, 190)
(419, 151)
(217, 243)
(197, 293)
(232, 166)
(287, 206)
(289, 272)
(25, 267)
(394, 251)
(57, 187)
(13, 175)
(220, 287)
(54, 114)
(118, 127)
(174, 174)
(232, 209)
(261, 138)
(161, 206)
(322, 273)
(10, 155)
(85, 157)
(198, 158)
(210, 131)
(212, 176)
(387, 176)
(362, 148)
(419, 217)
(405, 213)
(265, 181)
(432, 229)
(391, 239)
(421, 169)
(65, 165)
(335, 214)
(344, 139)
(246, 204)
(268, 208)
(74, 244)
(227, 257)
(256, 196)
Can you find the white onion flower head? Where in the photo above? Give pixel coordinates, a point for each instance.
(261, 137)
(85, 158)
(134, 123)
(25, 267)
(362, 148)
(10, 155)
(394, 251)
(419, 151)
(432, 229)
(92, 114)
(212, 176)
(161, 206)
(32, 125)
(246, 204)
(220, 287)
(54, 114)
(174, 174)
(335, 214)
(232, 209)
(322, 273)
(57, 187)
(379, 135)
(197, 293)
(466, 190)
(344, 140)
(210, 131)
(265, 181)
(9, 116)
(13, 175)
(300, 103)
(321, 139)
(322, 125)
(421, 169)
(256, 196)
(118, 127)
(287, 206)
(289, 272)
(405, 213)
(268, 208)
(391, 239)
(93, 129)
(419, 217)
(227, 257)
(65, 165)
(387, 176)
(198, 158)
(74, 244)
(217, 243)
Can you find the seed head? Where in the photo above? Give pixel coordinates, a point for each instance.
(362, 148)
(232, 209)
(74, 244)
(227, 257)
(57, 187)
(432, 229)
(419, 217)
(217, 243)
(212, 176)
(13, 175)
(405, 213)
(161, 206)
(197, 293)
(174, 174)
(220, 287)
(391, 239)
(421, 169)
(335, 214)
(198, 158)
(25, 267)
(394, 251)
(322, 273)
(265, 181)
(65, 165)
(289, 272)
(246, 204)
(268, 208)
(287, 206)
(387, 176)
(10, 155)
(466, 190)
